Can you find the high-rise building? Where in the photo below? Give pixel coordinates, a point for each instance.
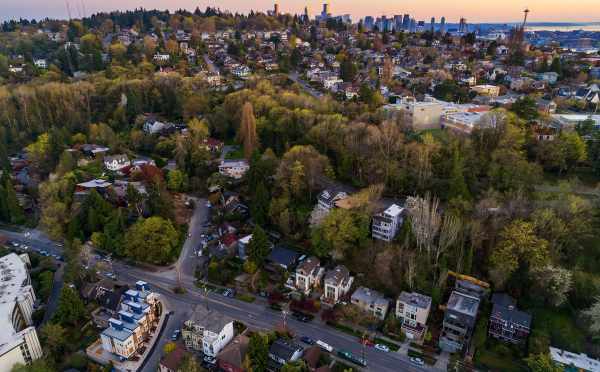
(19, 343)
(406, 22)
(368, 23)
(306, 18)
(412, 25)
(397, 22)
(276, 9)
(432, 24)
(443, 26)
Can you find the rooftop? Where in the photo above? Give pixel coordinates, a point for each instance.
(209, 319)
(415, 299)
(14, 281)
(580, 361)
(337, 275)
(463, 303)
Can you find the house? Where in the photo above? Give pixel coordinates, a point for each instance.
(284, 351)
(40, 63)
(241, 71)
(137, 318)
(207, 331)
(506, 322)
(97, 184)
(336, 284)
(282, 257)
(412, 309)
(92, 150)
(161, 57)
(173, 360)
(109, 298)
(231, 358)
(460, 316)
(116, 162)
(308, 275)
(19, 343)
(371, 302)
(574, 362)
(235, 169)
(213, 145)
(387, 223)
(242, 246)
(486, 90)
(328, 197)
(550, 77)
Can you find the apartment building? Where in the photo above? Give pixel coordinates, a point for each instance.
(371, 302)
(574, 362)
(19, 343)
(412, 309)
(308, 275)
(387, 223)
(460, 316)
(134, 323)
(207, 331)
(486, 90)
(336, 284)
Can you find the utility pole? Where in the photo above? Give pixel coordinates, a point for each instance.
(526, 12)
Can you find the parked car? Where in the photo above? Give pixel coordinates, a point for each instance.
(307, 340)
(382, 347)
(416, 361)
(175, 334)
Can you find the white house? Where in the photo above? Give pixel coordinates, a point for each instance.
(241, 71)
(371, 302)
(158, 57)
(116, 162)
(308, 275)
(387, 223)
(336, 284)
(234, 168)
(40, 63)
(207, 331)
(412, 309)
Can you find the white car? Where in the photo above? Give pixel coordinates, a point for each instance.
(382, 347)
(417, 361)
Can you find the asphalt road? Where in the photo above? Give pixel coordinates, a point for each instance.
(255, 315)
(310, 90)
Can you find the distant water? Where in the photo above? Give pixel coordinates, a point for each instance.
(564, 27)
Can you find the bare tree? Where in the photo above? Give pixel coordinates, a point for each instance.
(449, 232)
(425, 220)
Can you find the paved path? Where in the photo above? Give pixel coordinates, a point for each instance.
(310, 90)
(57, 285)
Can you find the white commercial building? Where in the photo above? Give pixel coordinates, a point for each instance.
(417, 115)
(575, 362)
(18, 340)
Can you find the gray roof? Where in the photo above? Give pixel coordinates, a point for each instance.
(209, 319)
(463, 303)
(369, 296)
(284, 349)
(415, 299)
(511, 315)
(337, 275)
(309, 265)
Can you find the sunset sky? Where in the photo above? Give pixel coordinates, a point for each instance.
(473, 10)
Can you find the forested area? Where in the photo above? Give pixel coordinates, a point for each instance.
(497, 204)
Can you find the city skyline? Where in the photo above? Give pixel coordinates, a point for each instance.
(505, 12)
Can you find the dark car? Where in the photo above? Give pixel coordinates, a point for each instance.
(302, 317)
(307, 340)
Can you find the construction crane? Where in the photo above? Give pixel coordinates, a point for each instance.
(469, 279)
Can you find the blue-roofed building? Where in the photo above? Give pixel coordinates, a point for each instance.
(283, 257)
(134, 322)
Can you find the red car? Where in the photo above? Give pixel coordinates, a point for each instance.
(367, 342)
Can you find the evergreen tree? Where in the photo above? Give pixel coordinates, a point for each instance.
(260, 204)
(71, 310)
(15, 210)
(458, 187)
(258, 248)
